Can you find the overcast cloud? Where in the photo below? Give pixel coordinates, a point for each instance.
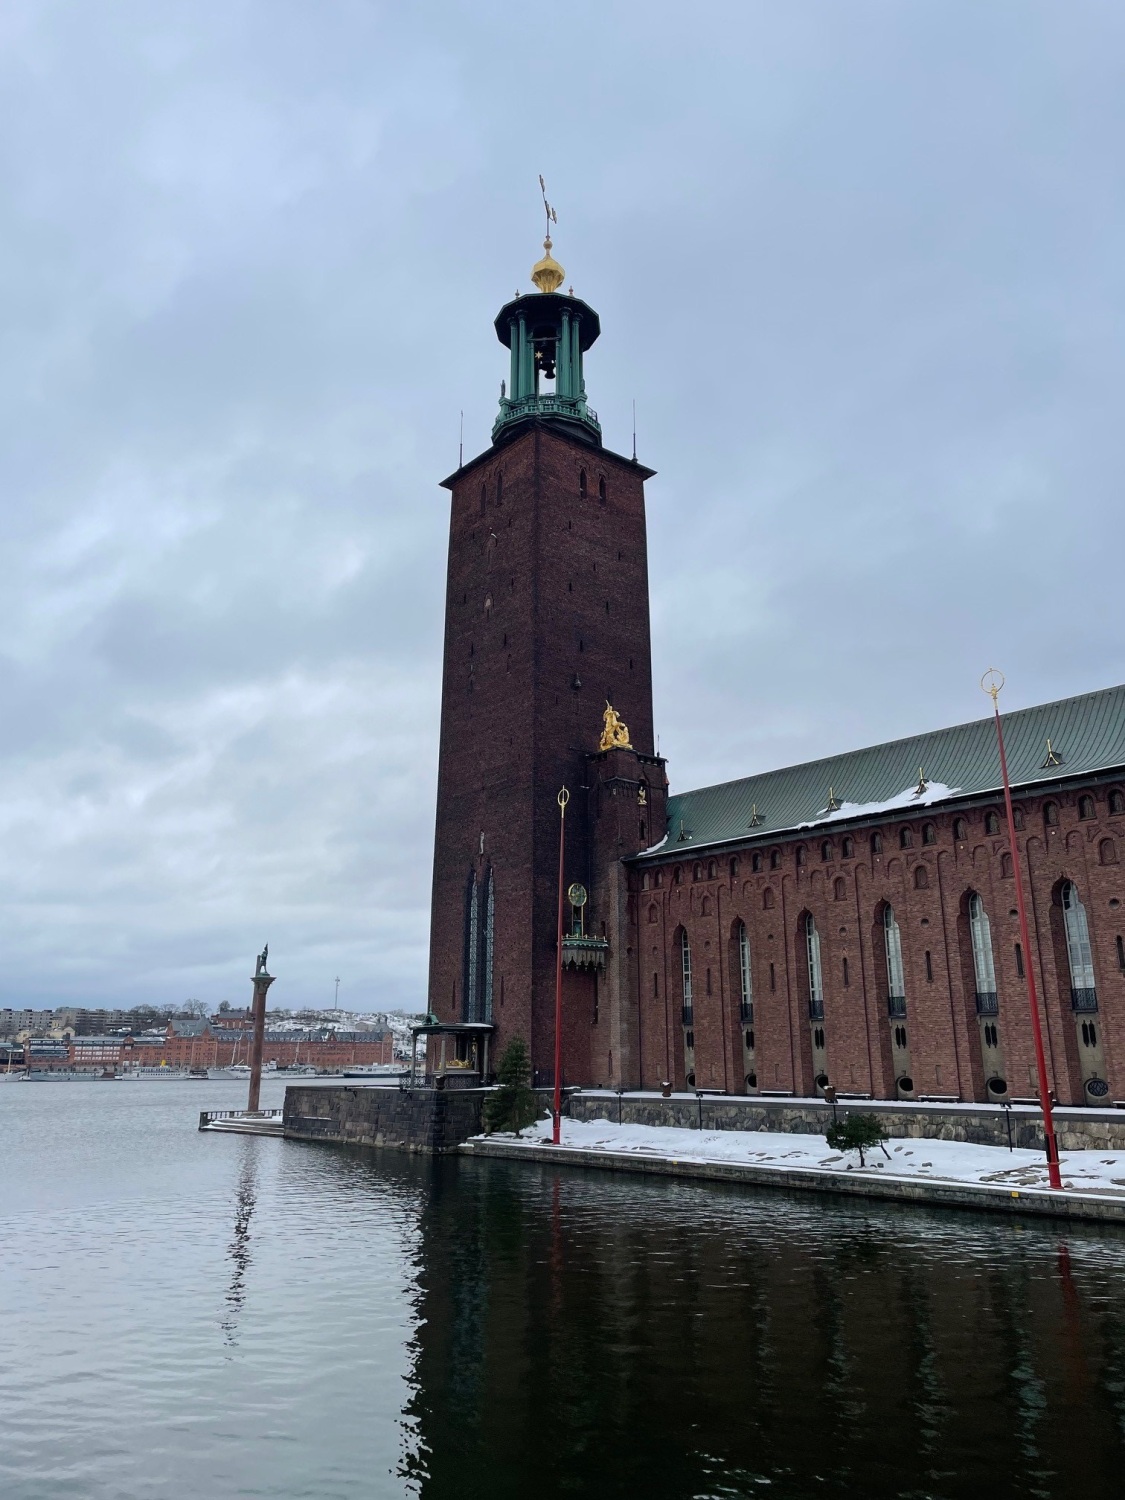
(859, 264)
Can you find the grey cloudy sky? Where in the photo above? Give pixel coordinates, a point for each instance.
(860, 265)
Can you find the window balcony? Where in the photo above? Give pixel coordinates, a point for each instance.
(1084, 1000)
(746, 1013)
(896, 1007)
(988, 1003)
(687, 1015)
(816, 1010)
(581, 952)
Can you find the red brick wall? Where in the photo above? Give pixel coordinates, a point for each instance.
(546, 616)
(941, 1021)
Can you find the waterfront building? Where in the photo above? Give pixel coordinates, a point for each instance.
(850, 922)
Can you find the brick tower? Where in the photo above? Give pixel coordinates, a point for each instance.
(546, 621)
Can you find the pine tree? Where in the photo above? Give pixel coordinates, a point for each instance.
(857, 1133)
(512, 1105)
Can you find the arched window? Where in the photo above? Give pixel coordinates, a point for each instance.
(685, 961)
(678, 875)
(921, 877)
(1107, 852)
(1116, 803)
(1005, 867)
(1086, 807)
(746, 978)
(876, 843)
(960, 832)
(1051, 814)
(775, 859)
(839, 889)
(712, 869)
(483, 498)
(980, 930)
(653, 914)
(767, 899)
(801, 854)
(1017, 819)
(1083, 992)
(734, 867)
(929, 833)
(697, 870)
(906, 838)
(816, 974)
(826, 851)
(582, 484)
(480, 915)
(601, 490)
(847, 848)
(756, 863)
(991, 823)
(896, 982)
(499, 489)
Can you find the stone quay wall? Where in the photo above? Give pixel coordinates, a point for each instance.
(426, 1121)
(979, 1124)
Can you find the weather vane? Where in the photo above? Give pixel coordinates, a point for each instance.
(992, 682)
(552, 216)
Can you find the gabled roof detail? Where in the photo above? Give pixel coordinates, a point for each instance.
(1087, 734)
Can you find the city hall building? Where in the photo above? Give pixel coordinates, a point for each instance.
(849, 922)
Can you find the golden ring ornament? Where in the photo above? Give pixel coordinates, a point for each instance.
(576, 894)
(992, 682)
(563, 798)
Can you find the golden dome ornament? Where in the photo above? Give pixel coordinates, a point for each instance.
(547, 274)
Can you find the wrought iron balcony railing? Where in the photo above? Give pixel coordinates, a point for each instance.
(1083, 1000)
(988, 1003)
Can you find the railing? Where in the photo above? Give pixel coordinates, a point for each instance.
(988, 1003)
(1083, 1000)
(206, 1116)
(896, 1007)
(816, 1010)
(687, 1015)
(746, 1013)
(546, 405)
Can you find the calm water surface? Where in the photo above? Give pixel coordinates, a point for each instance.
(189, 1315)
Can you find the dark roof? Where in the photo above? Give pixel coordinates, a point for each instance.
(1087, 735)
(184, 1027)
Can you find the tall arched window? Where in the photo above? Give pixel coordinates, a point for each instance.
(685, 961)
(847, 847)
(980, 930)
(1086, 807)
(582, 484)
(1051, 813)
(876, 843)
(1116, 802)
(960, 832)
(816, 973)
(486, 957)
(480, 919)
(826, 851)
(1083, 991)
(745, 976)
(601, 490)
(991, 823)
(896, 980)
(839, 889)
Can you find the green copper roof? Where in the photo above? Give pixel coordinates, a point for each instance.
(1087, 734)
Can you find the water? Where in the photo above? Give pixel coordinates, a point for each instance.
(191, 1315)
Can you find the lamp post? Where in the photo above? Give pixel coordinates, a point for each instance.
(556, 1112)
(992, 682)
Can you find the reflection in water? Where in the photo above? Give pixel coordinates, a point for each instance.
(238, 1251)
(589, 1335)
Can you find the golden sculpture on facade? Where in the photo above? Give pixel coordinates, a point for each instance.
(615, 735)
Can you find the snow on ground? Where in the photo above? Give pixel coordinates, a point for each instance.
(936, 1161)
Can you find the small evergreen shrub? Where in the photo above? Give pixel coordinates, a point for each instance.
(512, 1105)
(857, 1133)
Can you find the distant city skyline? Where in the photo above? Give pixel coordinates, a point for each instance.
(858, 267)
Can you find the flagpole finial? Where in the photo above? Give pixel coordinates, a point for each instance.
(992, 682)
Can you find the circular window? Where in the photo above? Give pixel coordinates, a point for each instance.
(751, 1080)
(906, 1085)
(1098, 1087)
(691, 1080)
(997, 1085)
(822, 1080)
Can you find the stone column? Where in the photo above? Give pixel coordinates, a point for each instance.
(262, 982)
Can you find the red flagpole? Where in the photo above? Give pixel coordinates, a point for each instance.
(1053, 1173)
(556, 1127)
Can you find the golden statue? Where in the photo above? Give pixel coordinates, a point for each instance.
(615, 735)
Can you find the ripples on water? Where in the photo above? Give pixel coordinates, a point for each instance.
(193, 1315)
